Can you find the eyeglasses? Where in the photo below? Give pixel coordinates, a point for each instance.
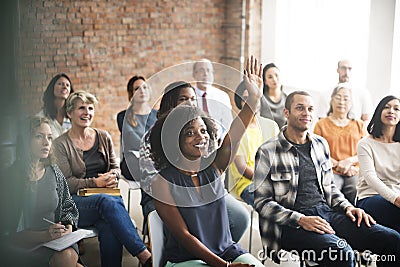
(340, 99)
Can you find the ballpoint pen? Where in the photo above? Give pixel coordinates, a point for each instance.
(44, 219)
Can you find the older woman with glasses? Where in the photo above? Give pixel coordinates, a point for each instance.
(87, 159)
(342, 134)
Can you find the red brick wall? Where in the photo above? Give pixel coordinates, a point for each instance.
(101, 44)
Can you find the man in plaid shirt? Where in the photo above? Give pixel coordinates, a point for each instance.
(299, 206)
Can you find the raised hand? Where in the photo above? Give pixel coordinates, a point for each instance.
(253, 78)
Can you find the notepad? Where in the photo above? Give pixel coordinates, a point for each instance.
(65, 241)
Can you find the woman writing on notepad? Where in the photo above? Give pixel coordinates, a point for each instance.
(87, 159)
(46, 197)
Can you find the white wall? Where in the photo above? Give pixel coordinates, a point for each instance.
(306, 38)
(380, 52)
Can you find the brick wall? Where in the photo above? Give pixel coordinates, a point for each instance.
(101, 44)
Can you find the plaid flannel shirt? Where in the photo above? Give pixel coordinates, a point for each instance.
(276, 178)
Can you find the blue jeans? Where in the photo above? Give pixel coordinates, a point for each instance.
(239, 218)
(248, 194)
(382, 211)
(114, 224)
(337, 249)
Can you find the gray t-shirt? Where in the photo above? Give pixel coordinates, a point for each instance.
(272, 110)
(42, 201)
(308, 193)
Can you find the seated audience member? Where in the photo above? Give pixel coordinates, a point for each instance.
(188, 191)
(216, 103)
(300, 207)
(342, 134)
(361, 109)
(58, 90)
(45, 195)
(87, 159)
(379, 153)
(175, 94)
(260, 130)
(211, 100)
(273, 102)
(134, 122)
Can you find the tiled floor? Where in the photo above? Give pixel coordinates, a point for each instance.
(92, 255)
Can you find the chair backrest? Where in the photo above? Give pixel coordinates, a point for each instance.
(157, 238)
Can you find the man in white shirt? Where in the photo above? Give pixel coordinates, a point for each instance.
(211, 99)
(362, 104)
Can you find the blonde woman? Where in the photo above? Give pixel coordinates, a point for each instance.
(87, 159)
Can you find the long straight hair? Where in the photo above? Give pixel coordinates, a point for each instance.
(130, 113)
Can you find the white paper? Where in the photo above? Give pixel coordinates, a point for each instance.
(66, 240)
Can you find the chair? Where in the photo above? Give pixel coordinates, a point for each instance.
(157, 238)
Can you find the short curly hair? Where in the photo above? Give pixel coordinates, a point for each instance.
(169, 128)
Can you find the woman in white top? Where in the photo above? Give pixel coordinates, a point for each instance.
(57, 92)
(379, 181)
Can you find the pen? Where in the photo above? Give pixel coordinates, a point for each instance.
(44, 219)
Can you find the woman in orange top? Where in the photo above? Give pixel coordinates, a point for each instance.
(342, 134)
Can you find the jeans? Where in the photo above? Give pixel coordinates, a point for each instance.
(248, 194)
(347, 185)
(337, 249)
(239, 218)
(114, 224)
(382, 211)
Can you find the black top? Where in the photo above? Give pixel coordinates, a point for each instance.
(308, 194)
(94, 160)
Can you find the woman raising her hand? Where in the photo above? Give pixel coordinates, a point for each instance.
(188, 194)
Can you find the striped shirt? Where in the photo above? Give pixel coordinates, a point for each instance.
(276, 179)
